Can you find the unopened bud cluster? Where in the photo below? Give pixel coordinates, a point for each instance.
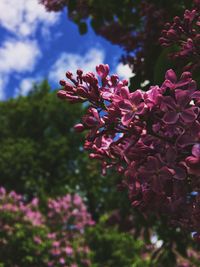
(184, 35)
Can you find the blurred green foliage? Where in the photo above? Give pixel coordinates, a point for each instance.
(36, 143)
(114, 248)
(20, 248)
(41, 155)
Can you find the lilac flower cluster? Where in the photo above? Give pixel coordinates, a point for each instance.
(185, 34)
(62, 228)
(21, 228)
(12, 202)
(152, 138)
(68, 212)
(67, 218)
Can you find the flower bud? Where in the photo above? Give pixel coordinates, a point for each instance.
(81, 91)
(102, 70)
(171, 34)
(62, 82)
(69, 75)
(95, 156)
(61, 94)
(79, 72)
(79, 127)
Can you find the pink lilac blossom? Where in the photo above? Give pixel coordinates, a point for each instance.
(13, 202)
(151, 138)
(67, 216)
(69, 212)
(66, 219)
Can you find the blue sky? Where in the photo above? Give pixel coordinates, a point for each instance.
(35, 44)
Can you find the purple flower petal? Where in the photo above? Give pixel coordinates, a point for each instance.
(182, 97)
(185, 140)
(188, 115)
(127, 118)
(136, 97)
(171, 117)
(167, 84)
(125, 105)
(153, 164)
(169, 102)
(171, 155)
(196, 95)
(191, 161)
(141, 108)
(180, 173)
(124, 92)
(170, 75)
(196, 150)
(166, 173)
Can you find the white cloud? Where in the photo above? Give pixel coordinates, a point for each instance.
(3, 83)
(18, 56)
(124, 71)
(23, 17)
(25, 86)
(72, 62)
